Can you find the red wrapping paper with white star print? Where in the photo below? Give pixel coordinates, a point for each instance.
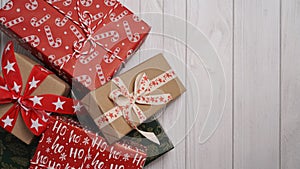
(64, 145)
(29, 93)
(85, 40)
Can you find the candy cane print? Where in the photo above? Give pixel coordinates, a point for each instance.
(130, 36)
(110, 2)
(100, 74)
(61, 61)
(112, 57)
(113, 34)
(84, 59)
(52, 1)
(76, 32)
(35, 40)
(84, 79)
(36, 23)
(8, 6)
(136, 18)
(32, 5)
(51, 58)
(115, 18)
(86, 3)
(53, 43)
(61, 22)
(97, 16)
(67, 2)
(14, 22)
(129, 53)
(2, 20)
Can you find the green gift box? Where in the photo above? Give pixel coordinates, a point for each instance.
(154, 151)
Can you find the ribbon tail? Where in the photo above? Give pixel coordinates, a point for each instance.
(150, 136)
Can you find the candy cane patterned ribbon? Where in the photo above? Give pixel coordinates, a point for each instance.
(85, 22)
(127, 102)
(34, 109)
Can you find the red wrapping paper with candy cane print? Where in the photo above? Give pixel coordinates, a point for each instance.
(64, 145)
(86, 40)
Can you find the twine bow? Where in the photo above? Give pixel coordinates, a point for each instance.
(85, 22)
(127, 103)
(34, 109)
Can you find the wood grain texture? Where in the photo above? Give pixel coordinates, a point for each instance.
(154, 42)
(174, 117)
(290, 138)
(256, 84)
(214, 19)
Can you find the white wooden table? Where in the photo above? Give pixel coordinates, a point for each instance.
(258, 42)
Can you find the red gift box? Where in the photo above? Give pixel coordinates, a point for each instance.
(65, 145)
(86, 40)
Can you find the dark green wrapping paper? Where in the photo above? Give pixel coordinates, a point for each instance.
(14, 154)
(154, 150)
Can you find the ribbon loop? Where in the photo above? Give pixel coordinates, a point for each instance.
(33, 108)
(127, 103)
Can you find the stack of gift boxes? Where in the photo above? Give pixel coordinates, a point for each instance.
(85, 42)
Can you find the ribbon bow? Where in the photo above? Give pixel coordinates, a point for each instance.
(85, 22)
(34, 109)
(127, 102)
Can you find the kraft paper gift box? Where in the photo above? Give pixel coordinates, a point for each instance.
(130, 99)
(36, 81)
(85, 41)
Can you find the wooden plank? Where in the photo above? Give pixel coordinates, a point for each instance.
(290, 84)
(154, 42)
(174, 117)
(214, 18)
(256, 84)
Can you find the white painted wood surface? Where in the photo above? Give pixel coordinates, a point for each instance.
(258, 42)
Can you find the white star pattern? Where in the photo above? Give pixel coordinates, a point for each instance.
(7, 48)
(126, 157)
(7, 121)
(88, 166)
(59, 104)
(35, 124)
(48, 150)
(16, 87)
(10, 67)
(33, 83)
(4, 87)
(36, 100)
(63, 156)
(49, 139)
(86, 141)
(77, 107)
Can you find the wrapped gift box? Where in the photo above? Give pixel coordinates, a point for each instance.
(65, 145)
(36, 80)
(82, 40)
(154, 151)
(126, 101)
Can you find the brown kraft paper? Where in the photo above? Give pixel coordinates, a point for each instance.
(98, 102)
(51, 85)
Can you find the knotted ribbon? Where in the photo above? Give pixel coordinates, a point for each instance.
(35, 110)
(126, 102)
(85, 23)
